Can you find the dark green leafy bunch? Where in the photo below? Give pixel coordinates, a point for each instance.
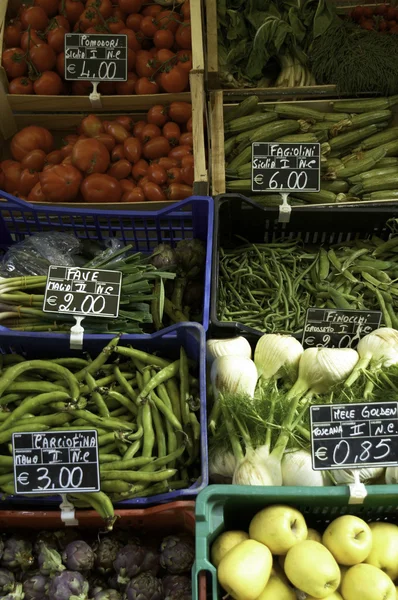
(257, 38)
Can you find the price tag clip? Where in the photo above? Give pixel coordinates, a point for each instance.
(358, 491)
(285, 210)
(76, 335)
(68, 512)
(95, 97)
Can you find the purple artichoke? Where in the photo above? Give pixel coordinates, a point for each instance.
(7, 581)
(17, 554)
(68, 585)
(134, 559)
(35, 587)
(176, 585)
(191, 257)
(49, 538)
(164, 257)
(177, 553)
(145, 587)
(106, 552)
(108, 595)
(16, 594)
(50, 561)
(1, 547)
(65, 536)
(78, 556)
(114, 583)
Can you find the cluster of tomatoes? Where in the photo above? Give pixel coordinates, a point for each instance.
(382, 18)
(159, 45)
(106, 161)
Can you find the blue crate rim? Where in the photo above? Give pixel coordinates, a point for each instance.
(187, 493)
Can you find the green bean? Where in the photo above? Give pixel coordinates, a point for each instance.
(159, 432)
(20, 368)
(109, 448)
(34, 425)
(174, 395)
(138, 475)
(124, 402)
(119, 412)
(96, 396)
(386, 247)
(144, 357)
(128, 389)
(108, 458)
(116, 486)
(6, 461)
(39, 387)
(31, 406)
(184, 387)
(132, 450)
(102, 422)
(71, 362)
(99, 361)
(172, 443)
(10, 398)
(160, 377)
(130, 464)
(149, 435)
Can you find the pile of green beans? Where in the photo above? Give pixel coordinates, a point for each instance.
(270, 286)
(143, 407)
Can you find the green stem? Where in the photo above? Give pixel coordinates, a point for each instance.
(361, 365)
(236, 447)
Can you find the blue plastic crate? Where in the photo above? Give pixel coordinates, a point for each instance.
(167, 343)
(144, 230)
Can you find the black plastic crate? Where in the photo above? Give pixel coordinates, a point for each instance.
(237, 217)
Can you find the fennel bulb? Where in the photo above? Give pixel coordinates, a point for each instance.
(297, 470)
(377, 349)
(277, 356)
(346, 476)
(233, 375)
(391, 475)
(222, 466)
(254, 470)
(238, 346)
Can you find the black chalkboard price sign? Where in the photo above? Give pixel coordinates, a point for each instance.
(338, 328)
(83, 292)
(346, 436)
(56, 462)
(95, 57)
(285, 168)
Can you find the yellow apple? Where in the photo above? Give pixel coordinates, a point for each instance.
(279, 527)
(276, 589)
(343, 571)
(314, 535)
(396, 590)
(224, 543)
(384, 553)
(366, 582)
(311, 568)
(334, 596)
(349, 539)
(277, 570)
(245, 569)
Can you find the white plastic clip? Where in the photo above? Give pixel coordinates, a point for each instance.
(285, 210)
(358, 491)
(68, 512)
(95, 97)
(76, 335)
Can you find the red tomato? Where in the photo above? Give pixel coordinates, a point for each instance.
(115, 24)
(132, 41)
(174, 79)
(43, 57)
(88, 18)
(120, 169)
(101, 188)
(12, 175)
(106, 139)
(56, 39)
(187, 161)
(145, 86)
(186, 10)
(61, 21)
(117, 131)
(180, 112)
(27, 181)
(183, 36)
(14, 62)
(179, 152)
(91, 126)
(133, 22)
(178, 191)
(153, 192)
(35, 17)
(189, 125)
(103, 6)
(50, 7)
(186, 139)
(127, 185)
(144, 64)
(149, 132)
(34, 160)
(67, 160)
(134, 195)
(117, 153)
(107, 87)
(36, 195)
(140, 169)
(127, 88)
(13, 34)
(174, 175)
(131, 58)
(61, 183)
(168, 19)
(31, 38)
(132, 149)
(90, 156)
(157, 174)
(31, 138)
(149, 27)
(188, 175)
(157, 115)
(172, 132)
(20, 85)
(60, 65)
(156, 148)
(81, 88)
(151, 10)
(126, 122)
(130, 6)
(71, 9)
(184, 58)
(48, 84)
(137, 129)
(163, 39)
(165, 56)
(117, 12)
(166, 162)
(55, 157)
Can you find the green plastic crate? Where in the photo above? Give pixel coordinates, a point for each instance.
(223, 507)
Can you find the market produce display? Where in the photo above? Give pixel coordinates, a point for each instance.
(157, 290)
(88, 565)
(122, 160)
(359, 146)
(159, 45)
(281, 556)
(259, 422)
(144, 408)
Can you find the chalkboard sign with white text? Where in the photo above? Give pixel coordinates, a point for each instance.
(285, 168)
(346, 436)
(56, 462)
(83, 292)
(338, 328)
(95, 57)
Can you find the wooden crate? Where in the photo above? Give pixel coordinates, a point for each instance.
(10, 103)
(62, 124)
(220, 103)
